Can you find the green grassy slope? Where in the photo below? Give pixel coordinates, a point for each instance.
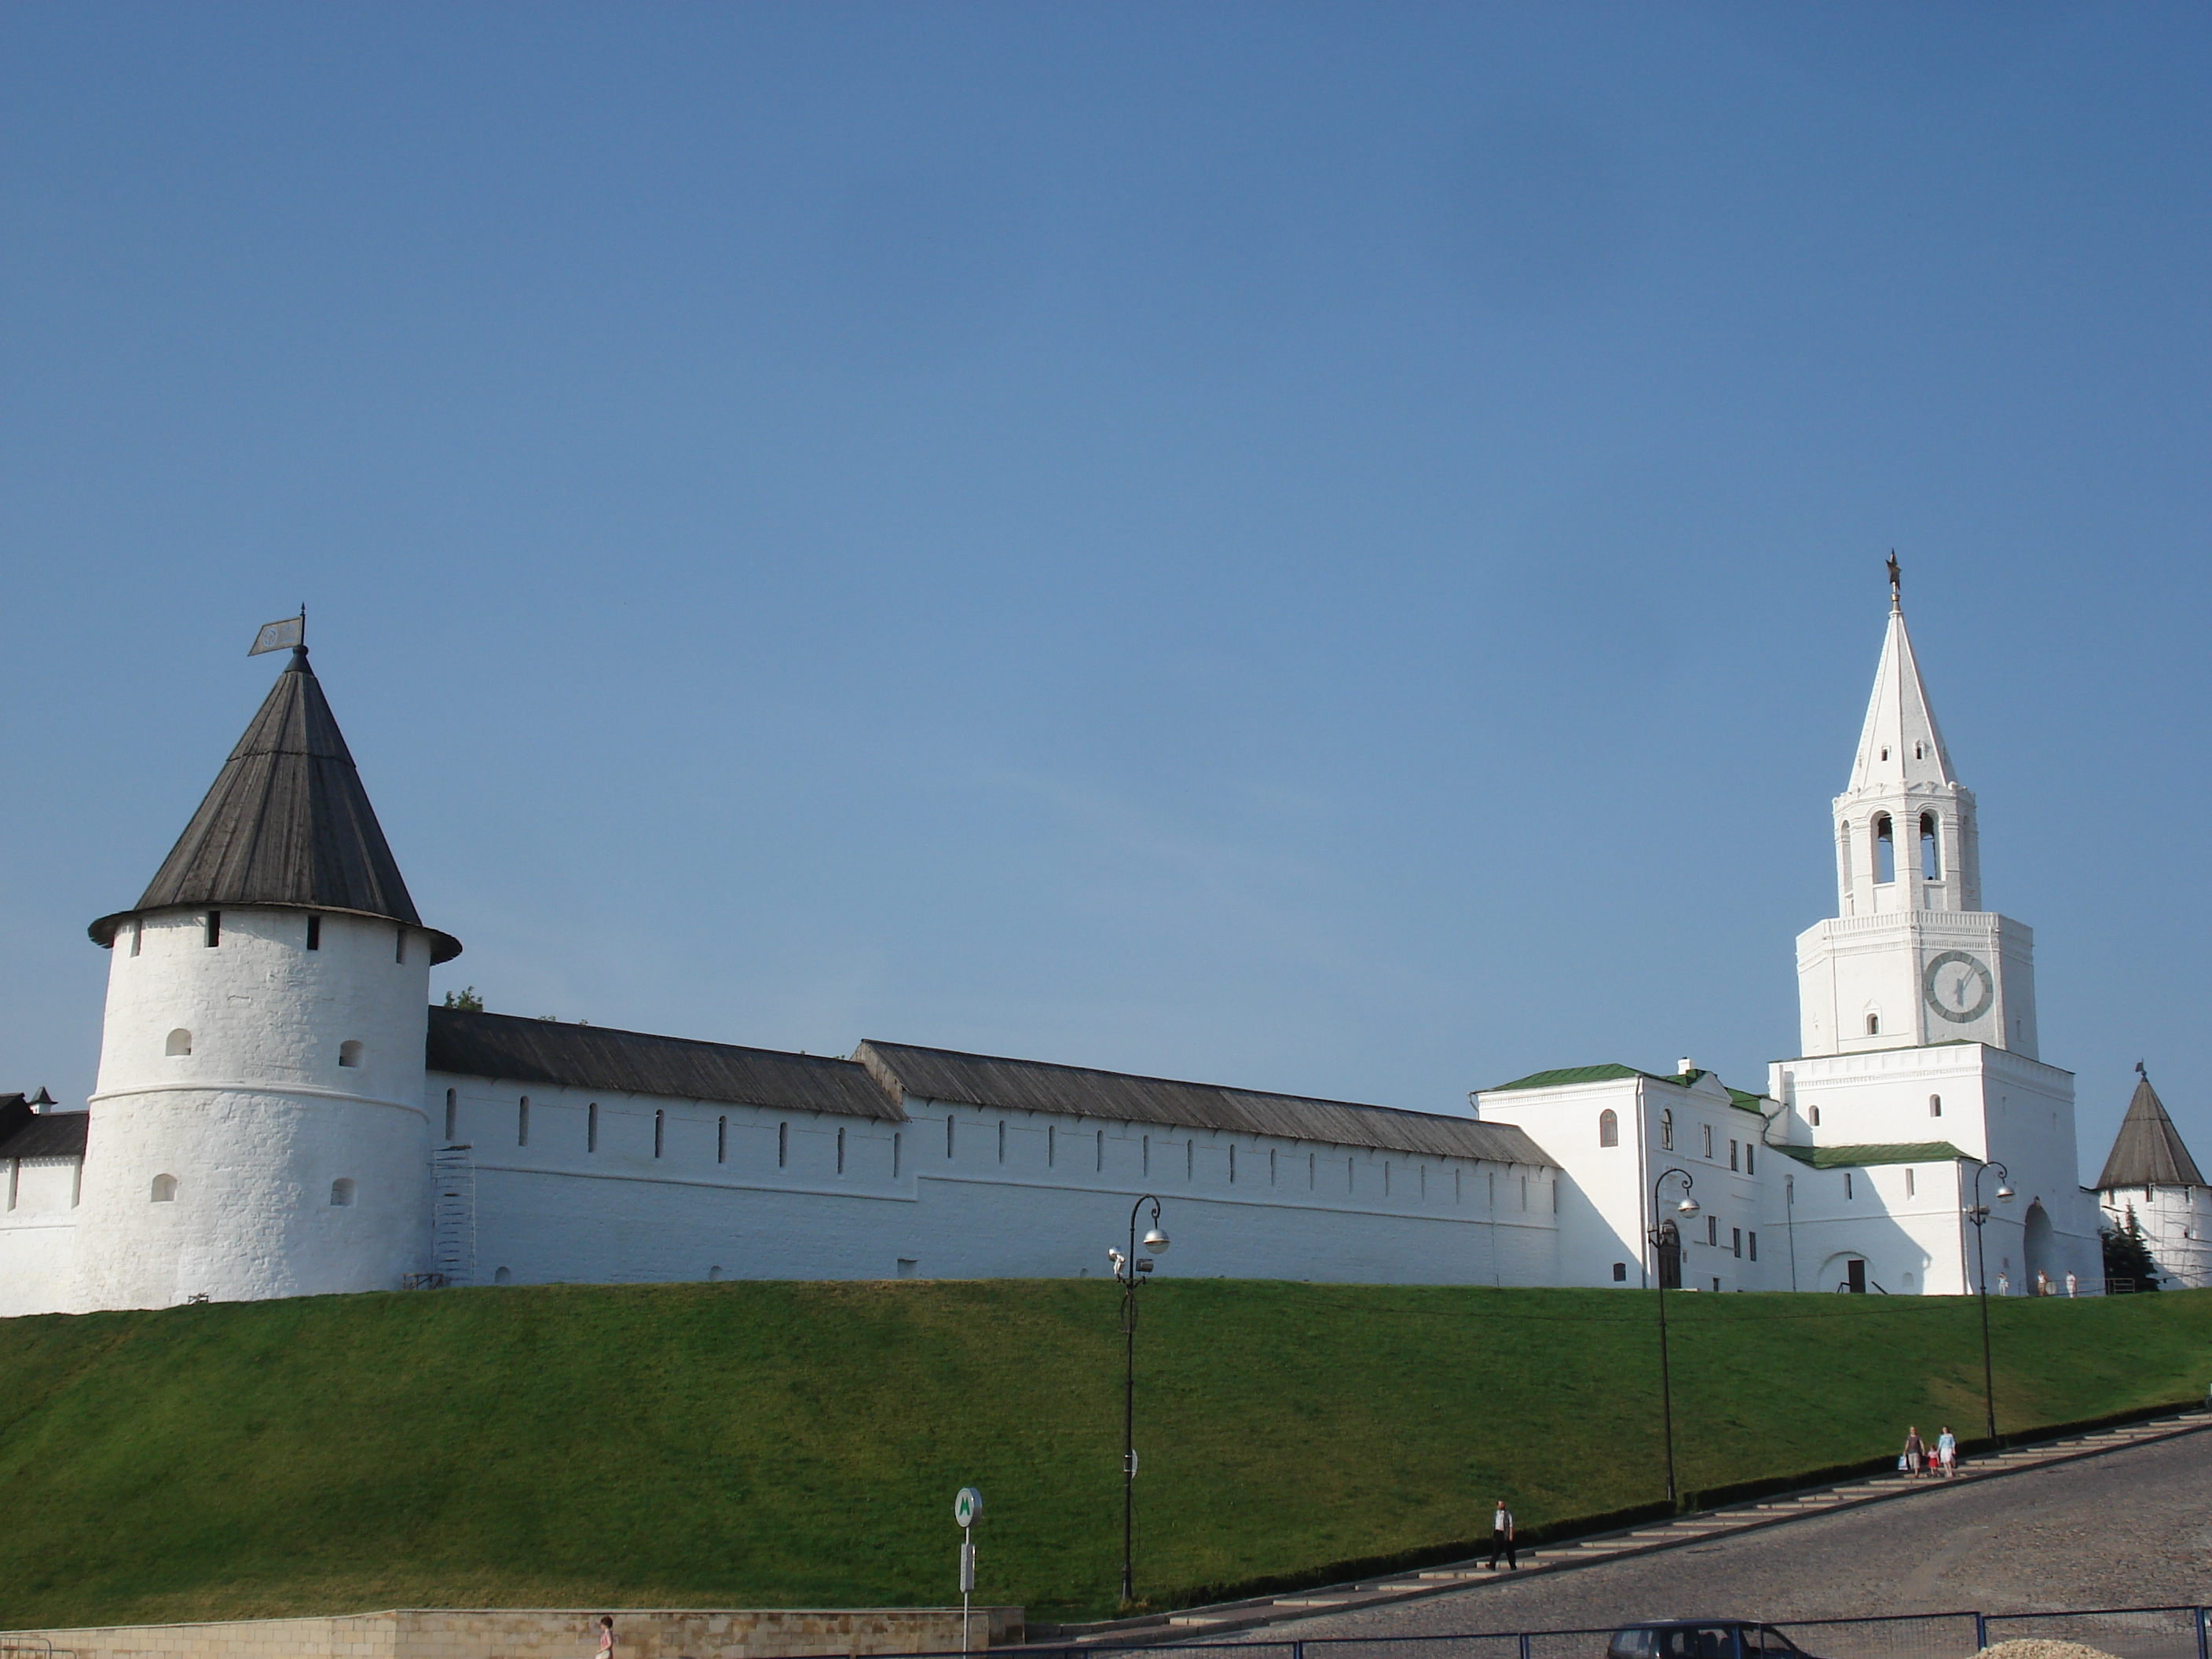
(762, 1444)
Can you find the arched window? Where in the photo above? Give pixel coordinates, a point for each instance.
(1667, 1131)
(713, 1275)
(1874, 1024)
(165, 1189)
(452, 1111)
(1885, 848)
(504, 1276)
(1620, 1273)
(1608, 1128)
(1931, 853)
(1934, 1105)
(1813, 1113)
(180, 1042)
(350, 1053)
(341, 1192)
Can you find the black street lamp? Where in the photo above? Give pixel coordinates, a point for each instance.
(1666, 1242)
(1132, 1270)
(1978, 1213)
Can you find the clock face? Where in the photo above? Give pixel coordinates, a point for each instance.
(1958, 987)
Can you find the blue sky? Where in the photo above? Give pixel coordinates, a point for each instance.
(1335, 548)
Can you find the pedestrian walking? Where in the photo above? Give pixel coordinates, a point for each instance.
(1946, 1452)
(607, 1636)
(1916, 1454)
(1501, 1539)
(2004, 1285)
(2073, 1284)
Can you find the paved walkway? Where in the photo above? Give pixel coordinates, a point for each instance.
(2116, 1518)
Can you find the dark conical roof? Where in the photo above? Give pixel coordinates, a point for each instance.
(287, 824)
(2147, 1151)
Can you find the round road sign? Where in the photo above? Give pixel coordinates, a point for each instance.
(967, 1505)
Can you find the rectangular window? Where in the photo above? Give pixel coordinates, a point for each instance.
(660, 1131)
(782, 1145)
(592, 1127)
(948, 1134)
(214, 929)
(1909, 1184)
(453, 1110)
(1002, 1140)
(1708, 1129)
(1736, 1241)
(1051, 1146)
(1102, 1151)
(315, 932)
(721, 1140)
(1731, 1155)
(522, 1122)
(1753, 1240)
(1712, 1229)
(841, 1151)
(1748, 1165)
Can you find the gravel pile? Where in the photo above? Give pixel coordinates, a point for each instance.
(2032, 1647)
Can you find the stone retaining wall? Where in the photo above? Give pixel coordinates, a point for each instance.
(541, 1633)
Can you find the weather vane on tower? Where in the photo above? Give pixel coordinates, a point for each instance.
(1894, 581)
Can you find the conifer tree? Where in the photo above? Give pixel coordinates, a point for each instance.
(2127, 1255)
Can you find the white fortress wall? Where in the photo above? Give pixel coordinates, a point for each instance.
(751, 1191)
(38, 1234)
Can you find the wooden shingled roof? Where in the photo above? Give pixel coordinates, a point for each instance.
(26, 1132)
(508, 1046)
(941, 1074)
(286, 822)
(2147, 1151)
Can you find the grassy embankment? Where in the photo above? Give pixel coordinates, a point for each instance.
(760, 1444)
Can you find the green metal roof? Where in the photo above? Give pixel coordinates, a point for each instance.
(1744, 1102)
(1608, 1073)
(1860, 1157)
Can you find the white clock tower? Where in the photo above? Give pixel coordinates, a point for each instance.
(1916, 1007)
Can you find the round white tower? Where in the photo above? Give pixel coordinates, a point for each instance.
(259, 1128)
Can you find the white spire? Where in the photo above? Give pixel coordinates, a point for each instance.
(1901, 742)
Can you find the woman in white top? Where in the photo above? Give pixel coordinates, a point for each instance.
(1946, 1452)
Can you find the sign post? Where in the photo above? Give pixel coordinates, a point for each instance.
(967, 1505)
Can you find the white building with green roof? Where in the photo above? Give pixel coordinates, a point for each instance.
(1855, 1168)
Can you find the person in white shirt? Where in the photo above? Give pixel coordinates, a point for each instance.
(1501, 1538)
(1946, 1452)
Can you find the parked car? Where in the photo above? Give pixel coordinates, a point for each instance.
(1702, 1638)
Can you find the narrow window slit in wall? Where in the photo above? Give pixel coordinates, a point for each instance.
(1002, 1140)
(1190, 1159)
(214, 929)
(1910, 1184)
(1934, 1105)
(315, 932)
(592, 1127)
(721, 1140)
(1524, 1193)
(1708, 1129)
(1148, 1154)
(841, 1151)
(948, 1134)
(1351, 1179)
(453, 1112)
(782, 1145)
(137, 933)
(1313, 1170)
(1493, 1189)
(1051, 1146)
(896, 1153)
(1271, 1165)
(399, 946)
(1232, 1165)
(1848, 1192)
(522, 1122)
(660, 1131)
(1456, 1184)
(1386, 1177)
(1102, 1151)
(14, 1179)
(1813, 1113)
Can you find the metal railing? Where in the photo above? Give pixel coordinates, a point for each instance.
(2161, 1632)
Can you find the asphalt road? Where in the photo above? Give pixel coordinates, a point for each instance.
(2129, 1528)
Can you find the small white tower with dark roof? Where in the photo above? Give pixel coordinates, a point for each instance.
(2150, 1175)
(259, 1128)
